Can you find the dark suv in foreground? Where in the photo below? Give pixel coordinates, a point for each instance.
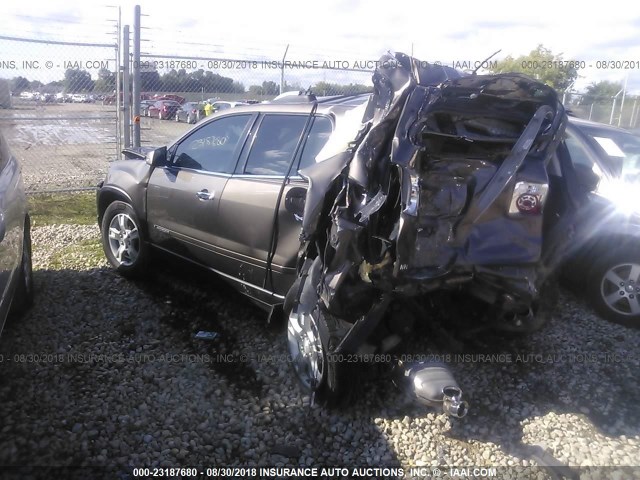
(339, 209)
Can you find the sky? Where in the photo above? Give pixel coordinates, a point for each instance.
(333, 30)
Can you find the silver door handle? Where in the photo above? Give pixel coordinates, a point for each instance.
(205, 195)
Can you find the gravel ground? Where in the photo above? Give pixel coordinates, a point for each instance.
(103, 371)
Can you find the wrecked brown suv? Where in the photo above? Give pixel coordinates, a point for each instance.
(337, 209)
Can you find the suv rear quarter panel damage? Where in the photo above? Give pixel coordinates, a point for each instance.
(424, 196)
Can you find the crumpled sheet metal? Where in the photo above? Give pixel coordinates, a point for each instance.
(462, 143)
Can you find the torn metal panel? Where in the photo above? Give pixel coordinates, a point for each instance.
(443, 187)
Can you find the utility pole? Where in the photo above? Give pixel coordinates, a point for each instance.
(136, 76)
(118, 85)
(126, 110)
(613, 106)
(633, 118)
(282, 70)
(624, 92)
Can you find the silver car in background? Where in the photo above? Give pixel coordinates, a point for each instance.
(16, 279)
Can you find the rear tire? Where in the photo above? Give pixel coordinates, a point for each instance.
(613, 286)
(123, 240)
(23, 298)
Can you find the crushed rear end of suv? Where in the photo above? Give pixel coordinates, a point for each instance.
(443, 189)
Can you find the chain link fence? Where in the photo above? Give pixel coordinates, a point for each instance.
(174, 98)
(54, 114)
(605, 109)
(62, 100)
(237, 78)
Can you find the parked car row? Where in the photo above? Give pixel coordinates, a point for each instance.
(62, 97)
(189, 112)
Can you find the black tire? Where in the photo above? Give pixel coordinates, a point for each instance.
(335, 386)
(120, 218)
(617, 301)
(23, 298)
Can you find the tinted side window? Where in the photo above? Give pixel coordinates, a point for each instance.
(213, 147)
(318, 136)
(275, 144)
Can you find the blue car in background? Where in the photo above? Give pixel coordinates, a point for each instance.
(605, 264)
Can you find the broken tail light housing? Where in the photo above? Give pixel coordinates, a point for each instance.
(528, 198)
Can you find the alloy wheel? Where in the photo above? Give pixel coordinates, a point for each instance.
(305, 349)
(620, 288)
(124, 239)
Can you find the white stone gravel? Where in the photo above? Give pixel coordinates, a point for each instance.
(105, 371)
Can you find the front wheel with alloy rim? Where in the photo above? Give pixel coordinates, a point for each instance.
(614, 285)
(321, 373)
(123, 240)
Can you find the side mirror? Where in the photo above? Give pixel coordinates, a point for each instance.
(157, 157)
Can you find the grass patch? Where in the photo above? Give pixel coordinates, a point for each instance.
(60, 208)
(84, 254)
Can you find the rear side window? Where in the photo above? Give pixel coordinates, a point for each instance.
(212, 147)
(274, 145)
(318, 136)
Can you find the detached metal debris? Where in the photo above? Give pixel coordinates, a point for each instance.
(443, 188)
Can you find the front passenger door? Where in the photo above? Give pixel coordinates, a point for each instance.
(183, 197)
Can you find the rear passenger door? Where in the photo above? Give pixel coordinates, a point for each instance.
(249, 199)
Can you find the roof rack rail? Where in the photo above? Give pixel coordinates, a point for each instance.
(295, 97)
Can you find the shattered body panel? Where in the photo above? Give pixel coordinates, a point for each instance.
(443, 188)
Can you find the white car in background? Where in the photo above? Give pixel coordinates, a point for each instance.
(219, 105)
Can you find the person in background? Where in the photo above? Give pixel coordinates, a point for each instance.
(208, 109)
